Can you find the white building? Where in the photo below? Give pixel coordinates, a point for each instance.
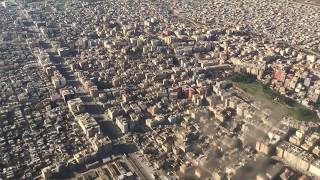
(122, 124)
(58, 80)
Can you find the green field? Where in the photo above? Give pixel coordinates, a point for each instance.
(276, 102)
(60, 5)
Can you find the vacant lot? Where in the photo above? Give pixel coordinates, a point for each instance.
(278, 104)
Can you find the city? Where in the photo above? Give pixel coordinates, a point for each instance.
(160, 89)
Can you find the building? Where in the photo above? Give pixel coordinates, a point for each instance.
(123, 124)
(88, 125)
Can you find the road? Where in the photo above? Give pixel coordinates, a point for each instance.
(138, 167)
(309, 3)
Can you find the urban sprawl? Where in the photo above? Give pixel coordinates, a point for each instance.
(160, 89)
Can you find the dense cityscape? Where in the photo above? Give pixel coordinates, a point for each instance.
(160, 89)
